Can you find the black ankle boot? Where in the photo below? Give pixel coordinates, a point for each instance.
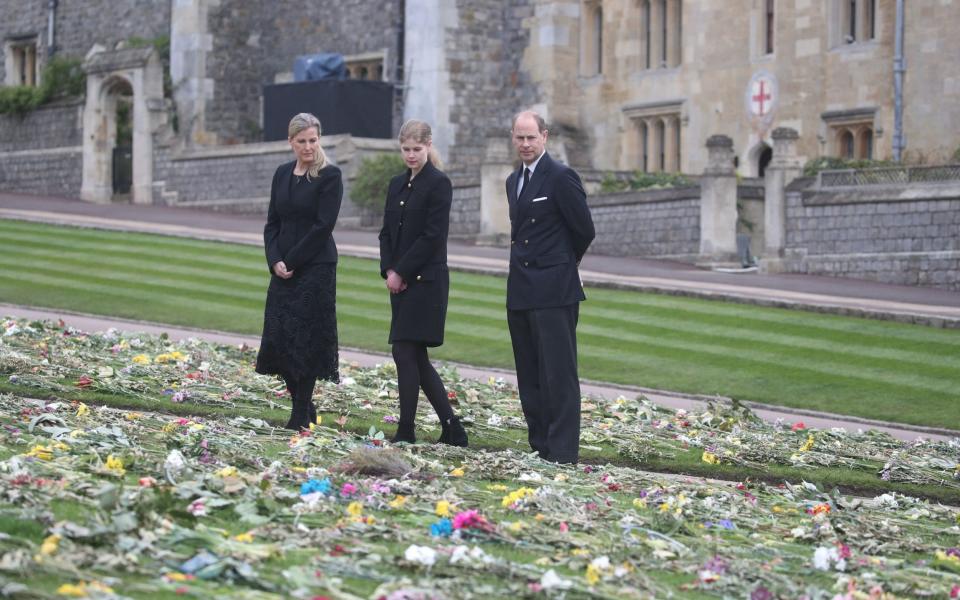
(453, 433)
(299, 416)
(312, 413)
(404, 434)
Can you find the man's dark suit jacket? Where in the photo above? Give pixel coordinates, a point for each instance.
(301, 217)
(551, 229)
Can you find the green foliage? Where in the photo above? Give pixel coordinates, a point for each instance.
(825, 163)
(161, 44)
(643, 181)
(956, 155)
(370, 187)
(61, 78)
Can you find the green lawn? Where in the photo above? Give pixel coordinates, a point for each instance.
(874, 369)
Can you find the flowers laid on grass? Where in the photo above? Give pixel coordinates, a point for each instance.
(507, 525)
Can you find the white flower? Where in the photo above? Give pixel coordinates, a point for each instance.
(551, 580)
(175, 462)
(197, 508)
(823, 556)
(469, 555)
(533, 476)
(798, 532)
(495, 420)
(348, 381)
(601, 563)
(421, 555)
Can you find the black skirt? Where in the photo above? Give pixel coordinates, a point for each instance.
(300, 325)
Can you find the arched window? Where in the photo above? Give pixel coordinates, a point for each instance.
(769, 23)
(647, 33)
(865, 143)
(846, 144)
(591, 39)
(644, 135)
(660, 131)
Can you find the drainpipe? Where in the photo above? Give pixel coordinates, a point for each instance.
(51, 30)
(899, 141)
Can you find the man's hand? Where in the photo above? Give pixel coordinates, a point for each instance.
(280, 270)
(395, 283)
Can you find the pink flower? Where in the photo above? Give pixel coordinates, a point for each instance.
(467, 519)
(347, 489)
(197, 508)
(564, 527)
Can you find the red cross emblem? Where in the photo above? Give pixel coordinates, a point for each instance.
(762, 97)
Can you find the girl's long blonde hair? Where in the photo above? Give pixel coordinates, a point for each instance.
(298, 123)
(420, 132)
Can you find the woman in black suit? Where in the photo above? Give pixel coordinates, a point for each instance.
(413, 260)
(299, 341)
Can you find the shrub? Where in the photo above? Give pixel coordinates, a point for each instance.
(369, 189)
(825, 163)
(643, 181)
(61, 78)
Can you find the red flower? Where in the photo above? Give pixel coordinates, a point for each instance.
(452, 395)
(797, 426)
(84, 382)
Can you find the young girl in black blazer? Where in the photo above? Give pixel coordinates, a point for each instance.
(413, 260)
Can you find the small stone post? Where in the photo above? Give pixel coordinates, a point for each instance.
(494, 206)
(718, 206)
(784, 167)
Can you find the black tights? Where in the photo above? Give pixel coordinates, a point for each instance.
(301, 390)
(414, 372)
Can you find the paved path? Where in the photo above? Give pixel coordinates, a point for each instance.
(661, 397)
(822, 294)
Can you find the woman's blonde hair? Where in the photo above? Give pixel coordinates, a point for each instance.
(297, 124)
(420, 132)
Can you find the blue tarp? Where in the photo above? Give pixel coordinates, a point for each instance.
(316, 67)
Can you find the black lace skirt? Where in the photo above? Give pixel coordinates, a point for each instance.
(300, 325)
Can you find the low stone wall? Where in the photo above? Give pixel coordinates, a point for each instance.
(40, 152)
(661, 223)
(465, 211)
(237, 178)
(893, 234)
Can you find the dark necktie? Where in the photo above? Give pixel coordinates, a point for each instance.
(526, 180)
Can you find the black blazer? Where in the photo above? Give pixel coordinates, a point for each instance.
(550, 230)
(416, 219)
(301, 217)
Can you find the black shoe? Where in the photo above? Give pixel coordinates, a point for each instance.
(312, 413)
(404, 434)
(453, 433)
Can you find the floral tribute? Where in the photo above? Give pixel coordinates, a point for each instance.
(193, 490)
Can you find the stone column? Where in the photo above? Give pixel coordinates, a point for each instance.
(190, 41)
(718, 206)
(656, 34)
(784, 167)
(494, 206)
(653, 145)
(428, 40)
(670, 126)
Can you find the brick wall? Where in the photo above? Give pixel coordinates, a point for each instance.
(878, 235)
(655, 223)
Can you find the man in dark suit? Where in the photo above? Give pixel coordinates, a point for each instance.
(550, 231)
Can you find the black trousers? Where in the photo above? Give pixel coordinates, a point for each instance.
(545, 354)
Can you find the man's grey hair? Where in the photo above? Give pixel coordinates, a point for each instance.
(541, 124)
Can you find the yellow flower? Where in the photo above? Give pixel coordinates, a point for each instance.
(82, 410)
(141, 359)
(806, 447)
(442, 509)
(710, 457)
(639, 503)
(514, 497)
(580, 552)
(355, 509)
(115, 466)
(69, 589)
(593, 574)
(41, 452)
(561, 477)
(664, 507)
(244, 537)
(49, 546)
(517, 526)
(227, 472)
(77, 433)
(132, 416)
(539, 517)
(497, 487)
(398, 502)
(948, 558)
(458, 472)
(176, 576)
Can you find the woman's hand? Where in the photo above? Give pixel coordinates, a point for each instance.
(280, 270)
(395, 283)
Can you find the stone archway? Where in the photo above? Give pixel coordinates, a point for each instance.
(136, 73)
(758, 158)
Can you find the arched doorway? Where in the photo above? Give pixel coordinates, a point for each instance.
(124, 105)
(758, 159)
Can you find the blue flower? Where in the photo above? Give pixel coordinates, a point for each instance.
(442, 528)
(313, 485)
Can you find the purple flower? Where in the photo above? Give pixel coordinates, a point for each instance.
(390, 419)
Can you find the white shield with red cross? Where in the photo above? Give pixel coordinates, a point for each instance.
(762, 97)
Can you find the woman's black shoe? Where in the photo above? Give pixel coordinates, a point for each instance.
(404, 434)
(453, 433)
